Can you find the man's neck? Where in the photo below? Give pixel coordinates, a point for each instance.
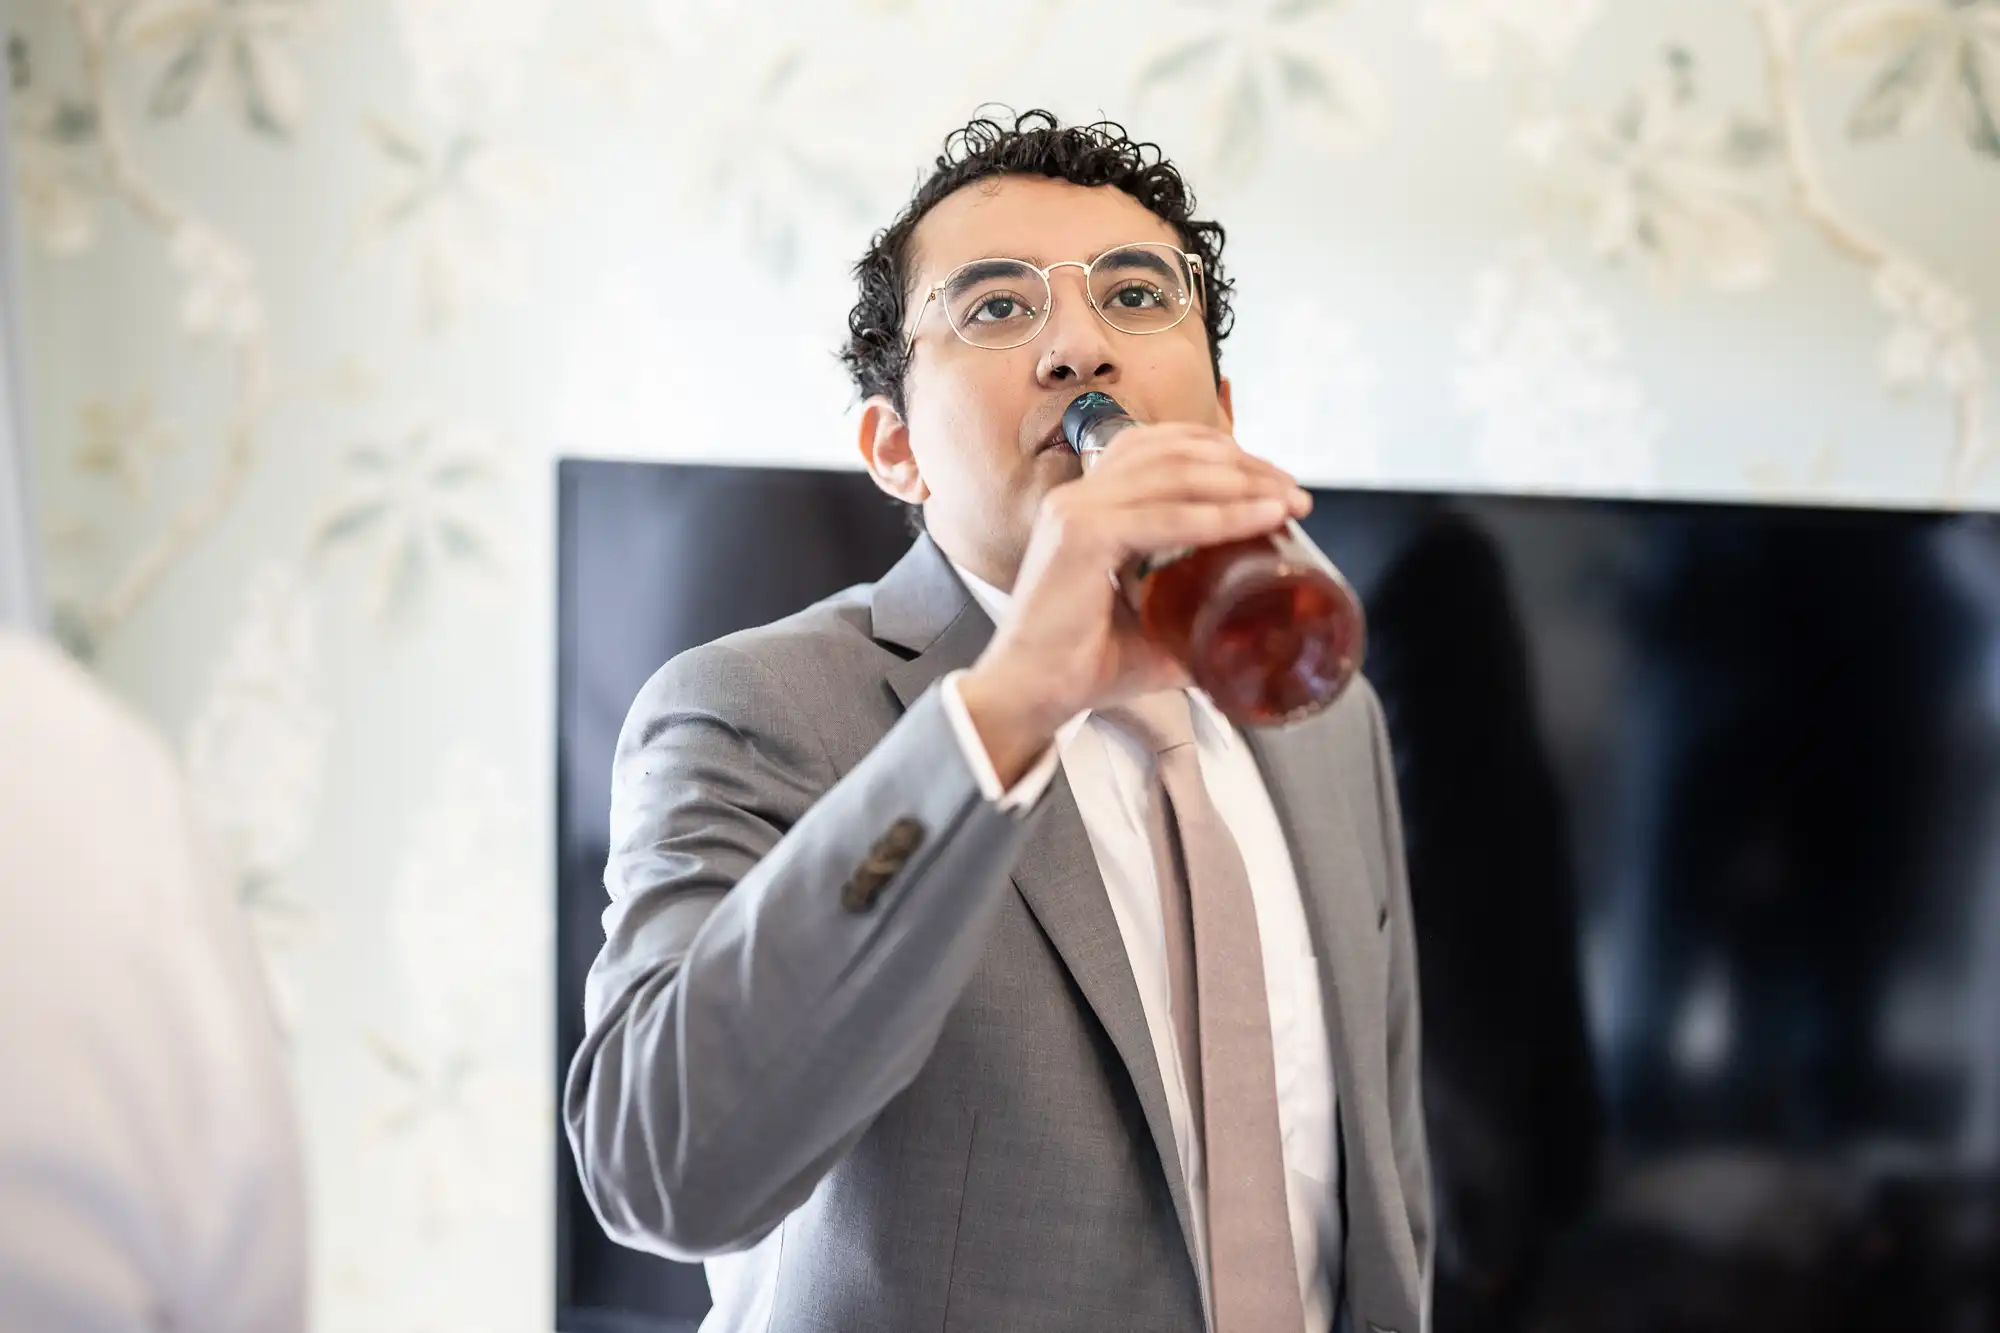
(995, 575)
(995, 602)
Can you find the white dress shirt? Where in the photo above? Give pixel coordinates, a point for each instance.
(149, 1172)
(1110, 776)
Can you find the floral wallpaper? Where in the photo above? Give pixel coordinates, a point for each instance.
(317, 290)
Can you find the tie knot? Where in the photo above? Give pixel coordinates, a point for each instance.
(1160, 721)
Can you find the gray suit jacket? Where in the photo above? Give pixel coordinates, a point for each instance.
(872, 1048)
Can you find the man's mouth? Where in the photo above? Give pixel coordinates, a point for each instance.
(1053, 440)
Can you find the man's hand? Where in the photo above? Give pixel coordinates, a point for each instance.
(1070, 642)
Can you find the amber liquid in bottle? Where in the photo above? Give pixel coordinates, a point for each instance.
(1266, 626)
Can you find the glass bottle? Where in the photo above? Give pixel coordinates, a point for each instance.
(1266, 626)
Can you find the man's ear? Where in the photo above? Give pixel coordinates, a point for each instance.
(885, 449)
(1225, 398)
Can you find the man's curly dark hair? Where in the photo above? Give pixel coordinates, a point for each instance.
(1036, 144)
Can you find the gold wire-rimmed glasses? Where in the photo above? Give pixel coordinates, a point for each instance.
(1144, 287)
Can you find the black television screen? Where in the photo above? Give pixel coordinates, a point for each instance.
(1703, 814)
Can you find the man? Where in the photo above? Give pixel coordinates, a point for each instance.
(149, 1167)
(898, 1024)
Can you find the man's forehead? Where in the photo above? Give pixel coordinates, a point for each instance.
(1039, 219)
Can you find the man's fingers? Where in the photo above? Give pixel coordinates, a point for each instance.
(1168, 446)
(1161, 527)
(1194, 480)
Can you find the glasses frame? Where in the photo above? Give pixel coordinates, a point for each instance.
(1192, 260)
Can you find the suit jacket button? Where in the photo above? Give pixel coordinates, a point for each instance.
(860, 892)
(904, 836)
(889, 854)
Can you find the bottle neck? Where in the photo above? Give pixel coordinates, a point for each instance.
(1097, 436)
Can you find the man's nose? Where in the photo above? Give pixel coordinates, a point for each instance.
(1076, 345)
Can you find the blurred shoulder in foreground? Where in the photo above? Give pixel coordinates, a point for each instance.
(149, 1164)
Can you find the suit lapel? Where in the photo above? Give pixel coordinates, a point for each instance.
(1057, 875)
(922, 606)
(1309, 790)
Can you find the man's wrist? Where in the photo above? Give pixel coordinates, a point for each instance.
(1015, 725)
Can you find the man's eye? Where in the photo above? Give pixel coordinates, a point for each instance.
(1138, 296)
(994, 309)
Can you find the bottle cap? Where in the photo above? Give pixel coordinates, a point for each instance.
(1089, 411)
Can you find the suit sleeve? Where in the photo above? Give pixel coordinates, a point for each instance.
(1405, 1037)
(781, 951)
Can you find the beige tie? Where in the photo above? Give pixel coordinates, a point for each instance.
(1222, 1021)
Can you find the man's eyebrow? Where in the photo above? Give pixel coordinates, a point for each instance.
(978, 270)
(1138, 258)
(981, 269)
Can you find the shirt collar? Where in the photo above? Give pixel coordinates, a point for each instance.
(997, 604)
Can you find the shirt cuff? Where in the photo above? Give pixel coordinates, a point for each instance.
(1023, 794)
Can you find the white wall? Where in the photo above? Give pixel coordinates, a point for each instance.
(301, 347)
